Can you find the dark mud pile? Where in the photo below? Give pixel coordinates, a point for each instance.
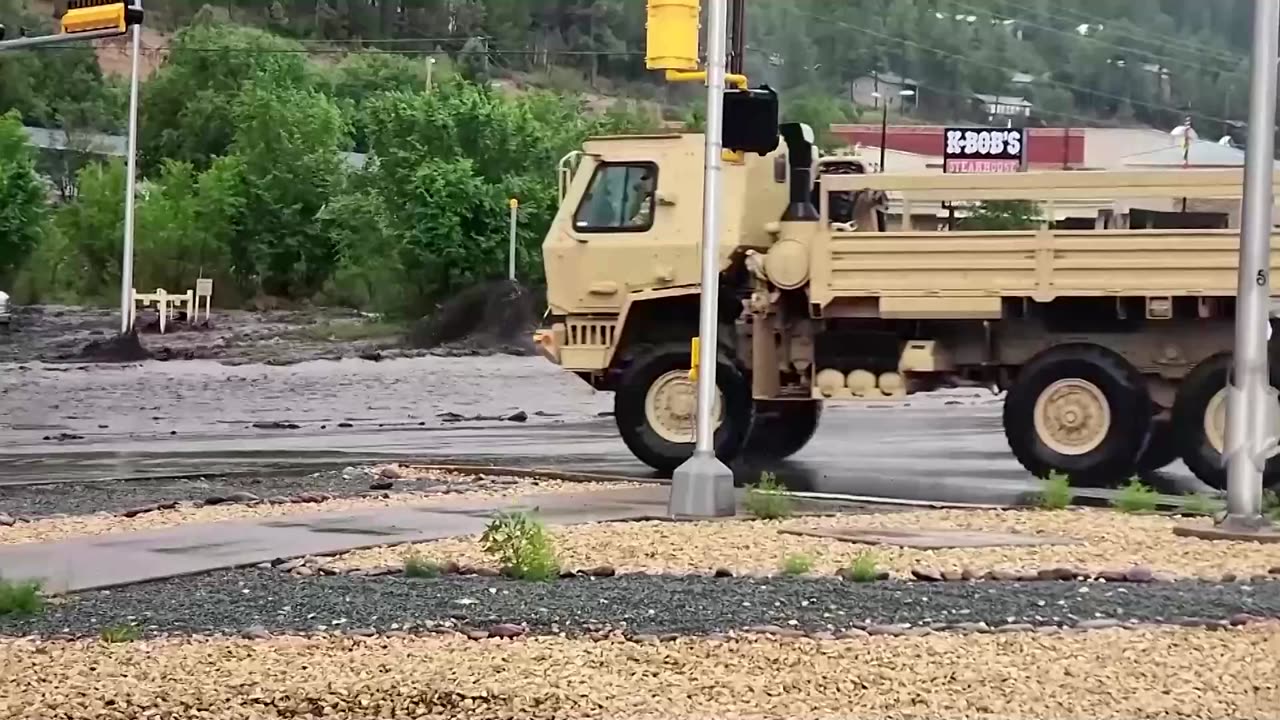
(496, 317)
(119, 349)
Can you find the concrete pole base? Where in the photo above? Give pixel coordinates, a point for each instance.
(1236, 528)
(702, 488)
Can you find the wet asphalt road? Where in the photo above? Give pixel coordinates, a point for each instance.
(85, 423)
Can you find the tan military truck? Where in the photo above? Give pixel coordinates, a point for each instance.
(1112, 342)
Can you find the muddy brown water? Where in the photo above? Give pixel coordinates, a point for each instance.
(270, 404)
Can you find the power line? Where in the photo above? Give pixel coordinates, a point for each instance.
(990, 66)
(1079, 37)
(1171, 40)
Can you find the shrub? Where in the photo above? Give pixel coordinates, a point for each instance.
(1136, 498)
(863, 568)
(1200, 504)
(417, 566)
(120, 633)
(20, 598)
(1056, 492)
(766, 499)
(522, 547)
(797, 564)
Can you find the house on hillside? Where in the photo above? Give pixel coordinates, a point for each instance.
(1004, 107)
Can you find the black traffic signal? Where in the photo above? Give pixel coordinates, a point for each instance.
(751, 120)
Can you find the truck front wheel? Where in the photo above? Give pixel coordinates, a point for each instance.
(782, 428)
(1079, 409)
(655, 407)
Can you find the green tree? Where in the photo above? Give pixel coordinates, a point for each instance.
(22, 197)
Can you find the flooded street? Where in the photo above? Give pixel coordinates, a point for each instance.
(70, 422)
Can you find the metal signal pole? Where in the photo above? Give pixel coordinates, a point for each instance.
(130, 200)
(703, 485)
(1252, 400)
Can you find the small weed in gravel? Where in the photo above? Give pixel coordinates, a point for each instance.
(120, 633)
(1056, 493)
(417, 566)
(765, 499)
(20, 598)
(797, 564)
(863, 568)
(522, 547)
(1271, 504)
(1136, 498)
(1200, 504)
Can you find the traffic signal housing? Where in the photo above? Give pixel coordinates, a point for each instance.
(751, 120)
(77, 16)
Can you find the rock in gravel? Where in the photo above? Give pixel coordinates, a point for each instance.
(291, 565)
(602, 571)
(381, 485)
(953, 575)
(1098, 624)
(1139, 574)
(303, 571)
(822, 636)
(240, 497)
(723, 573)
(645, 639)
(279, 500)
(926, 574)
(968, 574)
(519, 416)
(6, 520)
(1001, 575)
(1057, 573)
(257, 632)
(1015, 628)
(477, 634)
(972, 627)
(1273, 571)
(391, 472)
(1049, 630)
(764, 629)
(852, 634)
(1229, 577)
(354, 474)
(507, 630)
(1114, 575)
(917, 632)
(886, 630)
(1244, 619)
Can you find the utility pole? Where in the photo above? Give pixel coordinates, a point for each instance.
(126, 270)
(737, 37)
(1251, 398)
(1251, 401)
(703, 485)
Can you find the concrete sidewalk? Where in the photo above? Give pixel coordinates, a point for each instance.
(104, 561)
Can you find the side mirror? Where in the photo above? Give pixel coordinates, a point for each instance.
(751, 120)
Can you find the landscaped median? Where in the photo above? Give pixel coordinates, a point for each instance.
(930, 614)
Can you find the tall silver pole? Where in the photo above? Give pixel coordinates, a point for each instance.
(126, 271)
(1251, 391)
(511, 251)
(703, 486)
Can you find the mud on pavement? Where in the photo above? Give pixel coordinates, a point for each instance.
(486, 319)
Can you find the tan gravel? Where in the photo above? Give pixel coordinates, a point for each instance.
(1159, 673)
(47, 530)
(1111, 540)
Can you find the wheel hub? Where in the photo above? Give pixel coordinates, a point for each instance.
(1072, 416)
(671, 406)
(1215, 421)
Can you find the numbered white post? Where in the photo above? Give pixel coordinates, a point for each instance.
(1250, 392)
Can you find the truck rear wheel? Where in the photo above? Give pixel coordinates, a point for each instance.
(655, 407)
(1162, 447)
(1200, 421)
(1078, 409)
(782, 428)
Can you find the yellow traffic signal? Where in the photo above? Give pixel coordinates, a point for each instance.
(89, 15)
(672, 34)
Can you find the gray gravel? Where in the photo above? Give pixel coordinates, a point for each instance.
(35, 501)
(234, 601)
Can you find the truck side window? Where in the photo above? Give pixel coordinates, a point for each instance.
(619, 199)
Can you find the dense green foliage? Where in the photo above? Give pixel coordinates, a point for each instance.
(246, 126)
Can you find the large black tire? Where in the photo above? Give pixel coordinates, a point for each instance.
(1195, 393)
(1111, 457)
(645, 442)
(1162, 447)
(782, 428)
